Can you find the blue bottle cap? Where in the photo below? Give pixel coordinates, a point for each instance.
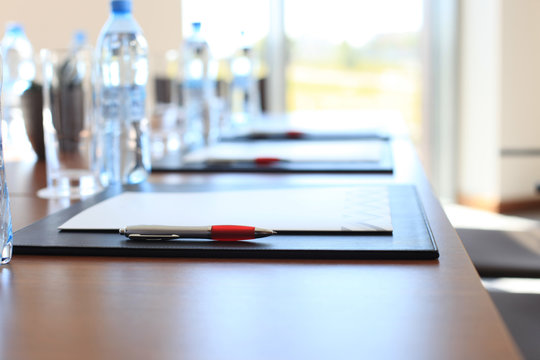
(121, 6)
(196, 26)
(14, 28)
(79, 38)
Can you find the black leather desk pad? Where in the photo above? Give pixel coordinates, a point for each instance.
(172, 162)
(316, 136)
(411, 239)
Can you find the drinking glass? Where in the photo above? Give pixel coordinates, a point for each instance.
(69, 136)
(6, 234)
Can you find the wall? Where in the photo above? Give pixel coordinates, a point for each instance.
(50, 23)
(520, 126)
(500, 103)
(478, 140)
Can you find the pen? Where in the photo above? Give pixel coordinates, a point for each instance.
(256, 161)
(214, 232)
(266, 160)
(293, 134)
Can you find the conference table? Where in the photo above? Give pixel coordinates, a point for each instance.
(81, 307)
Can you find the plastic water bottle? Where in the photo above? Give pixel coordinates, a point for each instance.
(72, 71)
(120, 78)
(71, 93)
(6, 234)
(79, 40)
(18, 74)
(245, 105)
(19, 66)
(199, 89)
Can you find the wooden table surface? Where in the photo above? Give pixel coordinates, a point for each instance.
(63, 307)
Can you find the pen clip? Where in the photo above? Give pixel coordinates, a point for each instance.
(152, 237)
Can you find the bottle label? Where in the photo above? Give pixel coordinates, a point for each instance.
(136, 103)
(110, 102)
(126, 102)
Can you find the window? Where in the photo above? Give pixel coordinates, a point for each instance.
(338, 54)
(354, 55)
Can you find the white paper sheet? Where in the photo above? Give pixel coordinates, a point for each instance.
(360, 208)
(328, 122)
(295, 151)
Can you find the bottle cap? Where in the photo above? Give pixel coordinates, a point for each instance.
(196, 26)
(79, 37)
(14, 28)
(121, 6)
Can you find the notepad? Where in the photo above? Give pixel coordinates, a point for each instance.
(328, 123)
(313, 209)
(290, 151)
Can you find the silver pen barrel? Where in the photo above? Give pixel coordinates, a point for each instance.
(203, 232)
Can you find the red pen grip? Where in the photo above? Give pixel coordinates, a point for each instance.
(232, 232)
(266, 160)
(294, 134)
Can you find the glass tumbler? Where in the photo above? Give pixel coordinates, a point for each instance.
(68, 130)
(6, 233)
